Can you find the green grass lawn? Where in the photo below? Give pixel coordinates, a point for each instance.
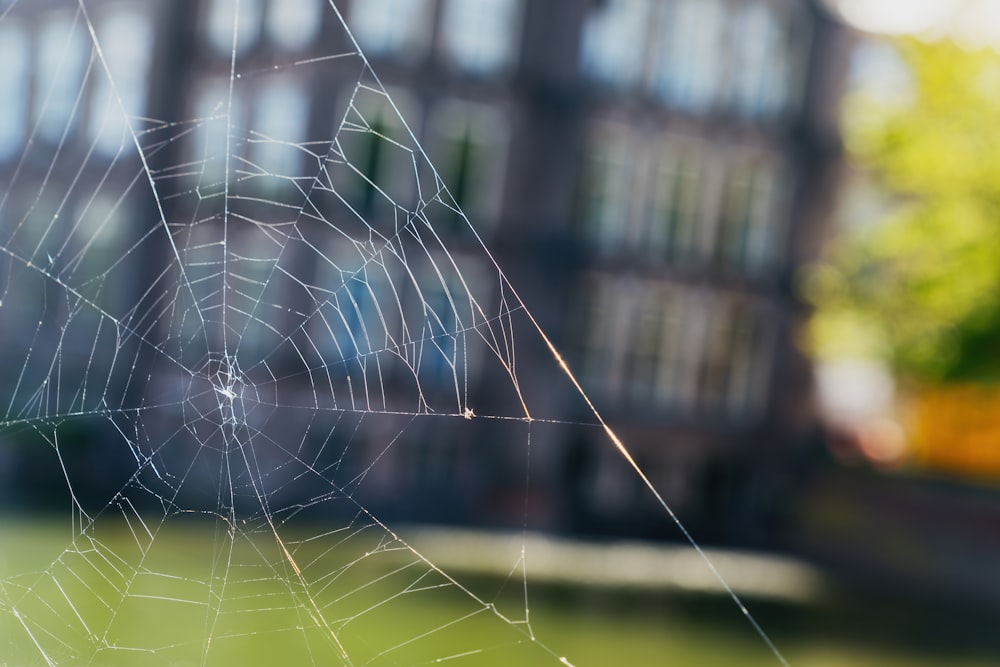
(349, 597)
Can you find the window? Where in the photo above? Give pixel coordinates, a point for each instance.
(99, 221)
(686, 67)
(377, 171)
(294, 24)
(219, 134)
(607, 185)
(644, 194)
(445, 309)
(356, 319)
(13, 89)
(251, 256)
(750, 370)
(717, 356)
(765, 237)
(390, 27)
(652, 371)
(281, 114)
(440, 346)
(95, 248)
(749, 235)
(233, 18)
(679, 379)
(469, 142)
(199, 311)
(613, 42)
(672, 220)
(735, 365)
(605, 339)
(480, 36)
(663, 63)
(61, 59)
(737, 208)
(124, 37)
(352, 323)
(764, 61)
(641, 342)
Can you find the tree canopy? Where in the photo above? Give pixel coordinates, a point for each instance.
(920, 288)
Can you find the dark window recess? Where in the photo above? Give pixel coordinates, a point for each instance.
(464, 172)
(373, 164)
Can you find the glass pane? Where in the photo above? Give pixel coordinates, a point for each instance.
(125, 38)
(219, 133)
(384, 27)
(761, 62)
(607, 188)
(613, 41)
(761, 237)
(13, 89)
(61, 58)
(227, 18)
(282, 112)
(673, 217)
(469, 149)
(480, 35)
(748, 229)
(294, 24)
(373, 166)
(690, 58)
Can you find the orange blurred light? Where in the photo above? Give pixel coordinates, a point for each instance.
(882, 441)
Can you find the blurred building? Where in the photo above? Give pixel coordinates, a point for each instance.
(648, 174)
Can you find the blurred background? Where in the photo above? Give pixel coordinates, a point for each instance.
(763, 234)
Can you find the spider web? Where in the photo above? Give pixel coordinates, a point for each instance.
(252, 325)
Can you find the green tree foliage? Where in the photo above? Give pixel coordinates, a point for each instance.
(921, 288)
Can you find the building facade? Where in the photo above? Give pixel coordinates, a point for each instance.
(648, 175)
